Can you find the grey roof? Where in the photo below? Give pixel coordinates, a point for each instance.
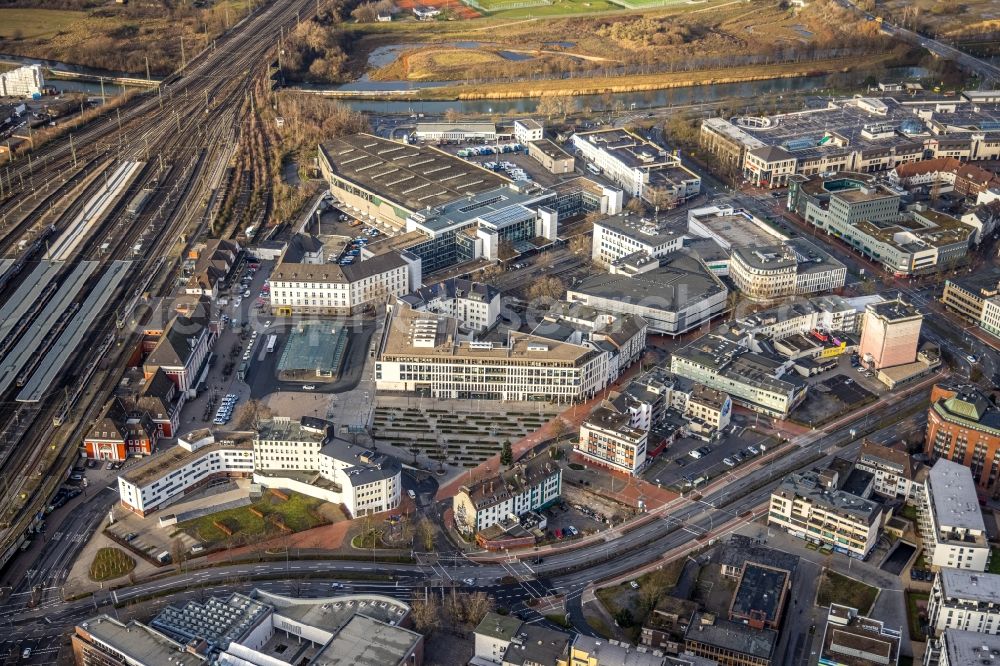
(335, 273)
(680, 282)
(772, 153)
(537, 645)
(218, 621)
(733, 361)
(970, 647)
(367, 642)
(367, 465)
(742, 549)
(707, 629)
(953, 493)
(808, 485)
(452, 288)
(610, 654)
(138, 642)
(707, 249)
(649, 232)
(761, 590)
(173, 349)
(413, 177)
(969, 585)
(504, 202)
(894, 310)
(467, 126)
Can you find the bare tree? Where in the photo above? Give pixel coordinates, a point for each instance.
(425, 532)
(252, 414)
(549, 287)
(426, 615)
(177, 552)
(580, 244)
(452, 115)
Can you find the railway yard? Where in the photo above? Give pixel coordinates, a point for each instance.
(93, 228)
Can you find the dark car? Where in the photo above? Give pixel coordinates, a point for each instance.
(680, 462)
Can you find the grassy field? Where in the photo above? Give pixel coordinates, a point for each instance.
(835, 588)
(110, 563)
(652, 586)
(916, 602)
(299, 513)
(557, 8)
(36, 23)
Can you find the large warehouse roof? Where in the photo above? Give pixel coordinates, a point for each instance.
(413, 177)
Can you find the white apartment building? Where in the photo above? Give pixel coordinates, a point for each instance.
(474, 304)
(950, 520)
(608, 439)
(306, 457)
(616, 237)
(965, 600)
(423, 352)
(896, 475)
(637, 165)
(26, 81)
(811, 507)
(959, 648)
(197, 459)
(826, 313)
(527, 486)
(332, 289)
(527, 130)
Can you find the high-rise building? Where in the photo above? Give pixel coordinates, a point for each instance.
(890, 333)
(950, 520)
(963, 425)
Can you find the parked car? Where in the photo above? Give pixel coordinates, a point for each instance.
(729, 462)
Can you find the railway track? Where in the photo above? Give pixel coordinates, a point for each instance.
(186, 131)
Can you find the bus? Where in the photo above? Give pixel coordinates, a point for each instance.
(594, 169)
(271, 340)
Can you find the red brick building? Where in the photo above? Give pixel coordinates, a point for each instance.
(963, 425)
(119, 433)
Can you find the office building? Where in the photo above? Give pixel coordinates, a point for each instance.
(813, 506)
(708, 410)
(552, 157)
(956, 647)
(197, 460)
(731, 227)
(990, 321)
(795, 267)
(963, 425)
(618, 237)
(755, 380)
(527, 130)
(674, 294)
(608, 439)
(640, 167)
(730, 643)
(967, 295)
(306, 456)
(950, 521)
(897, 475)
(474, 304)
(622, 337)
(26, 81)
(330, 288)
(865, 214)
(260, 629)
(851, 639)
(423, 352)
(529, 485)
(890, 334)
(964, 600)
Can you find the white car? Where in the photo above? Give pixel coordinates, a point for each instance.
(309, 387)
(267, 323)
(471, 582)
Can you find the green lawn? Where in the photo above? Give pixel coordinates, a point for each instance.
(994, 566)
(913, 613)
(835, 588)
(110, 563)
(298, 512)
(35, 23)
(909, 512)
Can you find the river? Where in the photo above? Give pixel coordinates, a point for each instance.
(636, 100)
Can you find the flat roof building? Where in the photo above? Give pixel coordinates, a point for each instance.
(950, 520)
(675, 293)
(760, 596)
(854, 640)
(731, 643)
(811, 506)
(963, 599)
(890, 334)
(963, 425)
(957, 648)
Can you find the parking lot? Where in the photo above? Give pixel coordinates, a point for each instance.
(676, 466)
